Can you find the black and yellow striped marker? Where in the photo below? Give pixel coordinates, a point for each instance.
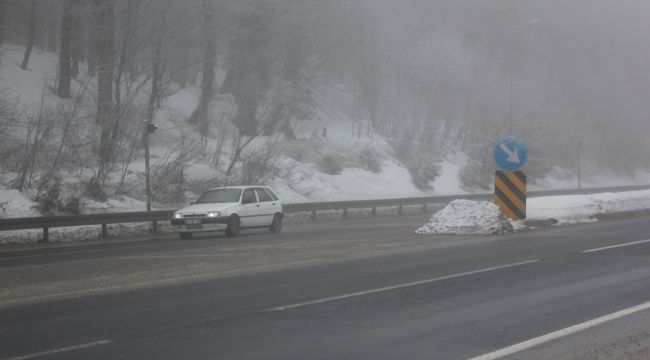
(510, 193)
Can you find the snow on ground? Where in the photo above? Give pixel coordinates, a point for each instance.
(124, 204)
(14, 204)
(583, 208)
(79, 233)
(448, 182)
(26, 85)
(466, 217)
(307, 184)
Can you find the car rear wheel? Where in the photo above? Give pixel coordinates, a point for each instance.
(276, 225)
(233, 226)
(185, 235)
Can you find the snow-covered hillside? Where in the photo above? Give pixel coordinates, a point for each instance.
(326, 162)
(364, 168)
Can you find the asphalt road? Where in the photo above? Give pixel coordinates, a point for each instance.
(361, 289)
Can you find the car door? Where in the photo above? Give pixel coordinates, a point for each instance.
(250, 209)
(267, 208)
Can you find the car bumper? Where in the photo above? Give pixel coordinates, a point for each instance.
(200, 224)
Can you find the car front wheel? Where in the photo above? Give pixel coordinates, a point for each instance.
(233, 226)
(276, 225)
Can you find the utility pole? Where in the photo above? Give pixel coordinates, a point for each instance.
(149, 128)
(579, 170)
(147, 177)
(510, 123)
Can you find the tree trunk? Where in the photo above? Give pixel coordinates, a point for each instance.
(90, 41)
(105, 66)
(77, 42)
(200, 115)
(65, 67)
(52, 30)
(31, 35)
(3, 10)
(287, 129)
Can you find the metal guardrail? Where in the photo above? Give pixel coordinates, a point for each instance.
(154, 217)
(103, 219)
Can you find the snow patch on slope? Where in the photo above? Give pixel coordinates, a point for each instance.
(14, 204)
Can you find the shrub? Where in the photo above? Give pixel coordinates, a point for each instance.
(370, 160)
(95, 191)
(256, 169)
(71, 206)
(48, 201)
(331, 164)
(477, 174)
(424, 169)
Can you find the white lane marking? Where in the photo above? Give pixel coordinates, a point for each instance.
(61, 350)
(615, 246)
(528, 344)
(400, 286)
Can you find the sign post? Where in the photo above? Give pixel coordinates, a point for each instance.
(510, 155)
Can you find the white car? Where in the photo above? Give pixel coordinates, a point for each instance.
(230, 209)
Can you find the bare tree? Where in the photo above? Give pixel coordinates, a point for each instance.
(3, 10)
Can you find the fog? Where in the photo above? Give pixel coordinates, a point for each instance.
(433, 77)
(563, 71)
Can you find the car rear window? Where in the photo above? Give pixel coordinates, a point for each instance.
(272, 194)
(263, 195)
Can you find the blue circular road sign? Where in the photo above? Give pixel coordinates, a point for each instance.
(510, 153)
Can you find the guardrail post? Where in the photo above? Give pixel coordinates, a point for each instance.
(46, 235)
(345, 213)
(400, 210)
(155, 226)
(313, 215)
(374, 212)
(104, 231)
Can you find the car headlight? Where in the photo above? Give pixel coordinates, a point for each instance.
(214, 213)
(178, 216)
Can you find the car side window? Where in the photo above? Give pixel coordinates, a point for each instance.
(248, 197)
(263, 195)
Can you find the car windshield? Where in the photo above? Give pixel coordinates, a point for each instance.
(220, 196)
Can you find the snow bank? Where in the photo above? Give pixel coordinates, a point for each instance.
(583, 208)
(465, 217)
(569, 209)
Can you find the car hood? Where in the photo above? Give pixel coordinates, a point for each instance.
(205, 208)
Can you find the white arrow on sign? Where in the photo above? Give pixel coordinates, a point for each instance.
(513, 156)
